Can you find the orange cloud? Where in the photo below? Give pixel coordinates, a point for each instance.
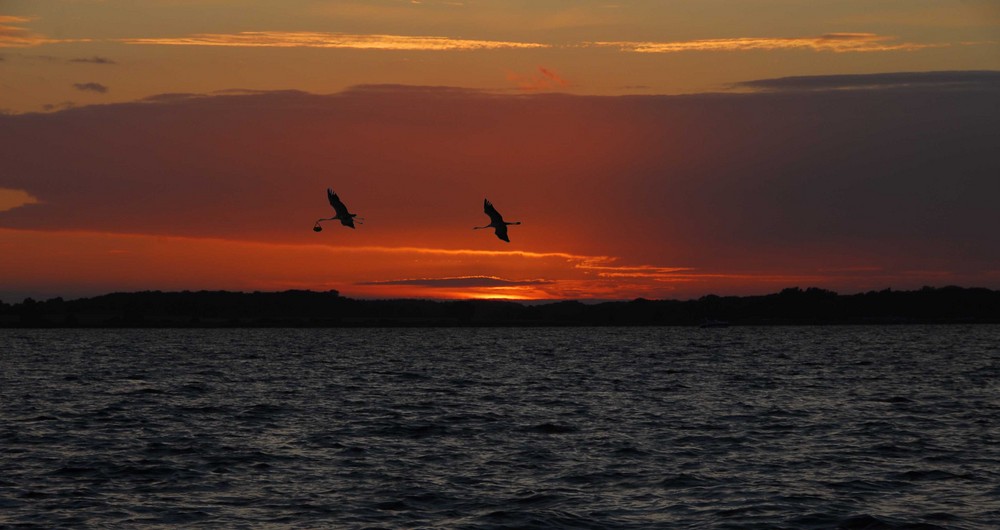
(13, 36)
(305, 39)
(10, 199)
(830, 42)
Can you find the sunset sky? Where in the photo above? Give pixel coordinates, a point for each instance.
(657, 149)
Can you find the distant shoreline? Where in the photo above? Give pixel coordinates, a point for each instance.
(309, 309)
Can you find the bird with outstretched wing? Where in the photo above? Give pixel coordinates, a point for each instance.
(496, 221)
(345, 217)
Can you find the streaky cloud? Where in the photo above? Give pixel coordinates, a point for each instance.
(389, 89)
(65, 105)
(304, 39)
(91, 87)
(640, 271)
(971, 79)
(12, 35)
(588, 260)
(461, 281)
(93, 60)
(830, 42)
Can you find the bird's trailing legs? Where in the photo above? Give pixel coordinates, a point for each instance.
(491, 226)
(354, 216)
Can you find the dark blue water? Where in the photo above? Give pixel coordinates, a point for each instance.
(801, 427)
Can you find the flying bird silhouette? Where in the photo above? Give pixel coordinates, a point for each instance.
(496, 221)
(345, 217)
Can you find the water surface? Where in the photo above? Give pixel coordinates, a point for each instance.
(774, 427)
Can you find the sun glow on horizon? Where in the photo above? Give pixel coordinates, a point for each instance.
(105, 262)
(102, 261)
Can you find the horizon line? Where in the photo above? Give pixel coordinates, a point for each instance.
(534, 301)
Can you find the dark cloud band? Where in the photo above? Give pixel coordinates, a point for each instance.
(465, 281)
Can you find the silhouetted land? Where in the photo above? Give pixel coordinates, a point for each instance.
(329, 309)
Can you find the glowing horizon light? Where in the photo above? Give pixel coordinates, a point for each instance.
(221, 264)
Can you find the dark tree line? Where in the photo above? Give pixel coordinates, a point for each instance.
(308, 308)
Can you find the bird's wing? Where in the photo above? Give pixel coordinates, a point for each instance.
(493, 213)
(338, 206)
(501, 231)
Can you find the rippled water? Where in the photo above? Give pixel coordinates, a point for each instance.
(802, 427)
